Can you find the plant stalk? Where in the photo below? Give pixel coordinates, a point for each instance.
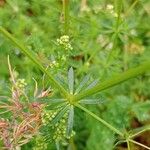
(128, 144)
(117, 79)
(100, 120)
(32, 56)
(137, 143)
(140, 132)
(66, 15)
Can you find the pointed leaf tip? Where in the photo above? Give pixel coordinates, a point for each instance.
(70, 120)
(71, 80)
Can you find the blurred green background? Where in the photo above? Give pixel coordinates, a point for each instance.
(108, 37)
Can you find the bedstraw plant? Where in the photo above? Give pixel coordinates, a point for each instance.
(49, 114)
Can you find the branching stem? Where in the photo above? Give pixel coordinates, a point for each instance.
(137, 143)
(32, 56)
(100, 120)
(66, 15)
(115, 80)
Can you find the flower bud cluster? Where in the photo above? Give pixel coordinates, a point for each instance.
(48, 116)
(21, 83)
(60, 128)
(65, 42)
(110, 8)
(54, 64)
(40, 143)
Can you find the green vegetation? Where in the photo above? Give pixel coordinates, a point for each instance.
(65, 70)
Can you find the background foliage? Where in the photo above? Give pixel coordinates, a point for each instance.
(107, 37)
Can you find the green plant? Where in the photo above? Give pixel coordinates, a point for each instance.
(71, 96)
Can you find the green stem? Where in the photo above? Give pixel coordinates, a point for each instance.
(128, 144)
(100, 120)
(119, 142)
(66, 15)
(140, 132)
(130, 8)
(32, 56)
(137, 143)
(118, 7)
(117, 79)
(114, 40)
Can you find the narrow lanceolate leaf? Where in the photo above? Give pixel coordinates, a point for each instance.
(71, 80)
(57, 145)
(60, 114)
(56, 106)
(70, 120)
(92, 84)
(115, 80)
(82, 83)
(51, 101)
(61, 80)
(91, 101)
(32, 56)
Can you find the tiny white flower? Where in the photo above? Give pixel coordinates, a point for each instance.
(115, 15)
(109, 7)
(64, 41)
